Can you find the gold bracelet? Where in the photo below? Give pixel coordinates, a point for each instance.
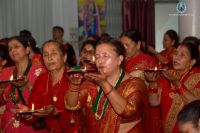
(74, 108)
(73, 90)
(29, 118)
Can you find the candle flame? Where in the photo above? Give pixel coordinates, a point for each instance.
(32, 108)
(85, 68)
(93, 58)
(11, 77)
(156, 68)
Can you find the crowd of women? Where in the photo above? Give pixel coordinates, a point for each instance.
(120, 86)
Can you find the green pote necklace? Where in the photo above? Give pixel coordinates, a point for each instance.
(99, 95)
(13, 98)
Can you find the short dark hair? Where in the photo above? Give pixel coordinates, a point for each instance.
(173, 36)
(59, 28)
(132, 34)
(91, 42)
(21, 39)
(116, 44)
(191, 39)
(190, 113)
(25, 33)
(4, 55)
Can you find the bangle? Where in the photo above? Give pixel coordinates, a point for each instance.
(153, 90)
(73, 90)
(29, 118)
(181, 89)
(74, 108)
(109, 92)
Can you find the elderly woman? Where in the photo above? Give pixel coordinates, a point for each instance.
(18, 92)
(114, 101)
(49, 90)
(178, 87)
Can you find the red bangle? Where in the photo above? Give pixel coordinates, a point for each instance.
(153, 90)
(181, 89)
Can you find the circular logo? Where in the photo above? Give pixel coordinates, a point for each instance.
(181, 7)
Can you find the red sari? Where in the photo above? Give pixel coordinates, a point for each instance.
(168, 54)
(44, 94)
(139, 62)
(171, 101)
(9, 122)
(134, 91)
(135, 66)
(4, 75)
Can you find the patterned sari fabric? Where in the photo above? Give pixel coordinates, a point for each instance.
(137, 64)
(9, 121)
(134, 117)
(172, 102)
(168, 55)
(135, 67)
(4, 75)
(44, 94)
(140, 62)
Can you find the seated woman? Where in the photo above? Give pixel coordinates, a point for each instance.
(49, 90)
(178, 87)
(19, 91)
(114, 101)
(136, 61)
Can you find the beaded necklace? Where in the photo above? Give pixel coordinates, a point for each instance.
(99, 95)
(19, 89)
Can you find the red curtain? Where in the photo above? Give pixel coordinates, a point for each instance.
(140, 14)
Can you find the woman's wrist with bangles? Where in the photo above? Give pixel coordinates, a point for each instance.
(153, 88)
(73, 88)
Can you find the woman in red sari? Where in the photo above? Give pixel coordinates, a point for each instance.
(135, 64)
(136, 60)
(179, 87)
(170, 42)
(114, 101)
(19, 91)
(49, 90)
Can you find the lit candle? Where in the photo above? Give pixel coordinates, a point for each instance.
(32, 108)
(93, 59)
(11, 77)
(156, 68)
(85, 68)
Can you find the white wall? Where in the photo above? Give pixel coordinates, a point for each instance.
(65, 14)
(164, 21)
(38, 16)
